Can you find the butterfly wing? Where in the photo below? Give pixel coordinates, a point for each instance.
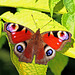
(20, 36)
(44, 53)
(51, 42)
(43, 46)
(24, 50)
(17, 33)
(56, 39)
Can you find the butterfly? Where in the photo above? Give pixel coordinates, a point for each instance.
(43, 46)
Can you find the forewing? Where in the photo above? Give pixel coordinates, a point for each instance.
(17, 33)
(56, 39)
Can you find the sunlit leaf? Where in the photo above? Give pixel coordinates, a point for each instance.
(68, 22)
(70, 5)
(41, 5)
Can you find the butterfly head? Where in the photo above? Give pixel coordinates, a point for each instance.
(38, 31)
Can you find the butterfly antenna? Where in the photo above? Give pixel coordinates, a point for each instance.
(34, 21)
(46, 24)
(3, 20)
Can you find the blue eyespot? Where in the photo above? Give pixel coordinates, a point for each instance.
(49, 52)
(19, 48)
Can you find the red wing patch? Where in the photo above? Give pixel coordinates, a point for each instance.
(20, 36)
(52, 41)
(56, 39)
(17, 33)
(40, 54)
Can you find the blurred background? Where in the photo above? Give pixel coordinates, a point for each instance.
(6, 66)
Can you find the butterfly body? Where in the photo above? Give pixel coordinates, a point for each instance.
(43, 46)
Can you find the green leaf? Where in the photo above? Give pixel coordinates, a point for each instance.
(69, 22)
(58, 63)
(41, 5)
(62, 11)
(71, 51)
(49, 72)
(70, 5)
(52, 4)
(59, 8)
(24, 18)
(2, 41)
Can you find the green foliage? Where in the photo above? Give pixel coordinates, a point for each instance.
(70, 5)
(26, 8)
(2, 41)
(58, 63)
(52, 4)
(41, 5)
(68, 20)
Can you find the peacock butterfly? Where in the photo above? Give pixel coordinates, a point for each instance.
(43, 46)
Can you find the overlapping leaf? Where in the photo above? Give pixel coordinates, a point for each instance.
(41, 5)
(52, 4)
(70, 5)
(68, 20)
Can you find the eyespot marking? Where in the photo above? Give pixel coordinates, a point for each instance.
(49, 52)
(20, 47)
(12, 27)
(63, 35)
